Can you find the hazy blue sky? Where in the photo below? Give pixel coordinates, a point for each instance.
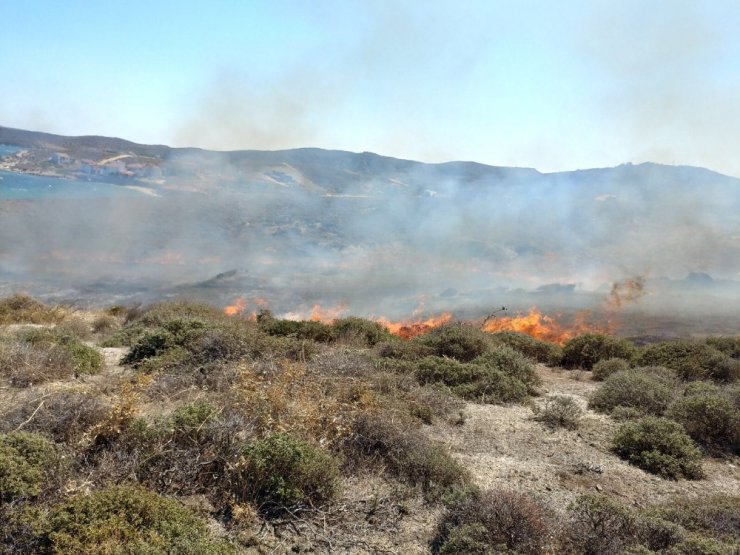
(548, 84)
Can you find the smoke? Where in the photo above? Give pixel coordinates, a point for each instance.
(628, 291)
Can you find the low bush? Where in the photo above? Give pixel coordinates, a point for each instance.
(560, 411)
(510, 362)
(25, 461)
(456, 340)
(281, 473)
(586, 350)
(605, 368)
(63, 415)
(534, 349)
(24, 309)
(314, 331)
(597, 525)
(728, 345)
(405, 453)
(691, 359)
(643, 391)
(403, 350)
(710, 419)
(493, 522)
(659, 446)
(127, 519)
(716, 515)
(366, 332)
(477, 382)
(658, 534)
(696, 545)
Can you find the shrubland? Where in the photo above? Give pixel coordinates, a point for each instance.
(214, 428)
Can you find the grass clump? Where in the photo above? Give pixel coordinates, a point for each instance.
(534, 349)
(710, 419)
(25, 461)
(560, 411)
(692, 360)
(495, 521)
(281, 473)
(586, 350)
(605, 368)
(126, 519)
(659, 446)
(462, 342)
(646, 392)
(478, 382)
(405, 453)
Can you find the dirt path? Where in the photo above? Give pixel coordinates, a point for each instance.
(505, 447)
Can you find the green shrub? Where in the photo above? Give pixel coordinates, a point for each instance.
(149, 345)
(478, 382)
(86, 360)
(696, 545)
(716, 515)
(605, 368)
(643, 391)
(657, 534)
(728, 345)
(598, 526)
(25, 461)
(314, 331)
(189, 420)
(159, 313)
(711, 420)
(540, 351)
(692, 360)
(358, 329)
(456, 340)
(128, 519)
(560, 411)
(659, 446)
(493, 522)
(586, 350)
(280, 472)
(403, 350)
(510, 362)
(405, 453)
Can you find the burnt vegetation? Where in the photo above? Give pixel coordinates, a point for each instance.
(208, 433)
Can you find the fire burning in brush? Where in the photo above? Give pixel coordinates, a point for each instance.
(239, 306)
(408, 329)
(328, 315)
(543, 327)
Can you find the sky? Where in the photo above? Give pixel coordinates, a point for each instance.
(551, 85)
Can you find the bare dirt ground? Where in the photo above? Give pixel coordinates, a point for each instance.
(505, 447)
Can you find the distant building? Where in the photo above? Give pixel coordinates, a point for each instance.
(60, 159)
(89, 167)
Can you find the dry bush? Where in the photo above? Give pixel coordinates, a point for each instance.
(495, 521)
(65, 416)
(539, 351)
(560, 411)
(716, 515)
(404, 452)
(597, 525)
(75, 327)
(23, 364)
(105, 324)
(24, 309)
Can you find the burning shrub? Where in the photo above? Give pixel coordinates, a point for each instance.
(25, 461)
(598, 526)
(540, 351)
(280, 472)
(560, 411)
(709, 419)
(456, 340)
(127, 519)
(586, 350)
(728, 345)
(493, 521)
(478, 382)
(659, 446)
(640, 390)
(605, 368)
(405, 453)
(692, 360)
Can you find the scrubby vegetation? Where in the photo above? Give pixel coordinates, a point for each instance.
(691, 359)
(225, 434)
(586, 350)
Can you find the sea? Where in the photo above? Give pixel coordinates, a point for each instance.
(21, 186)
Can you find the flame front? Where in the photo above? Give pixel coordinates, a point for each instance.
(543, 327)
(237, 308)
(408, 329)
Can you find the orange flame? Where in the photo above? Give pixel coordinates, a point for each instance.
(327, 315)
(408, 329)
(237, 308)
(544, 327)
